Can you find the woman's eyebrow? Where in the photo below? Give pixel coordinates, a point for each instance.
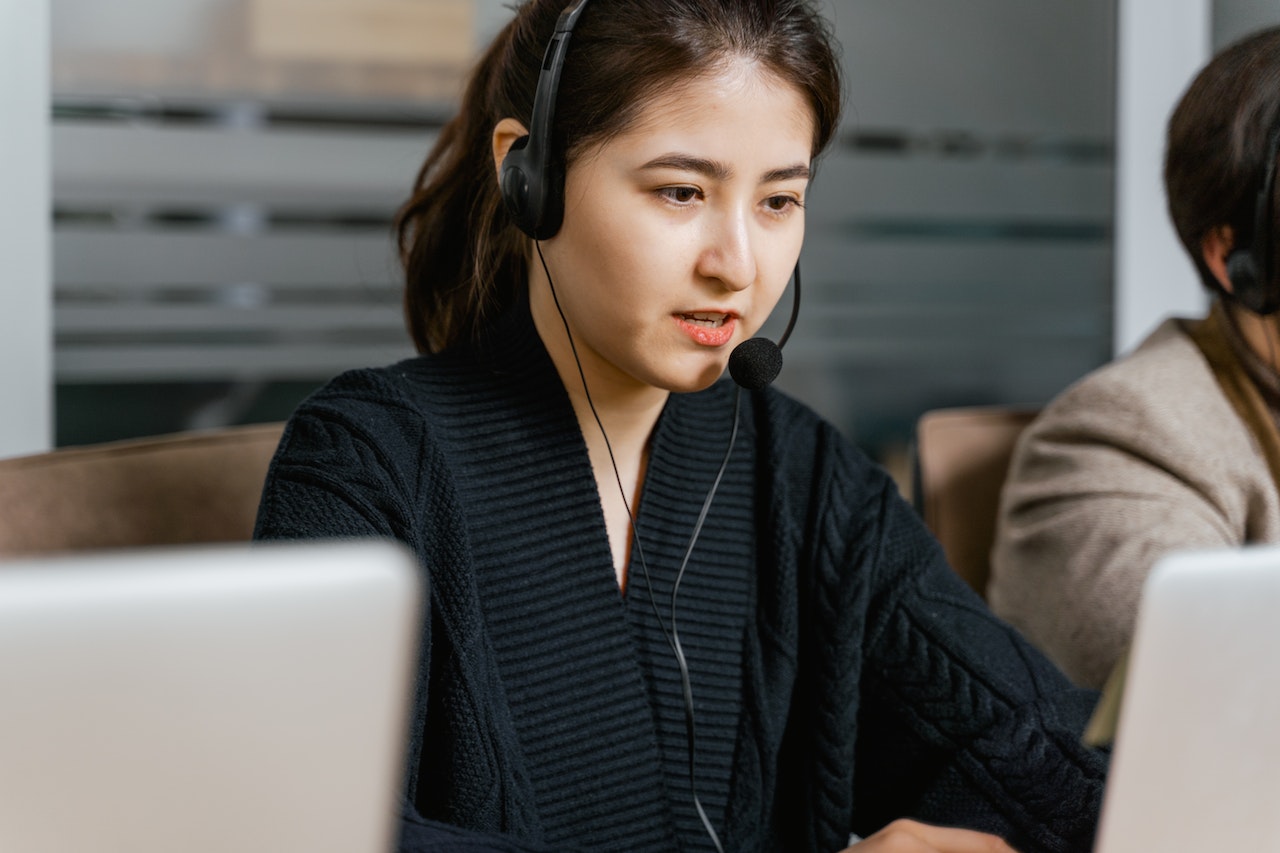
(688, 163)
(719, 171)
(800, 170)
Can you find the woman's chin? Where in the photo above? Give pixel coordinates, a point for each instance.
(694, 381)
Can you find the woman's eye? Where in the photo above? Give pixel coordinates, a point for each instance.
(781, 203)
(680, 195)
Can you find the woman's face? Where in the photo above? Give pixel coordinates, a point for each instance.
(680, 234)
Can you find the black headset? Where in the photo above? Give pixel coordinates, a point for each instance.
(532, 187)
(532, 180)
(1251, 266)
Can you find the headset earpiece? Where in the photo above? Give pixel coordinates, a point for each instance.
(531, 183)
(1246, 285)
(517, 190)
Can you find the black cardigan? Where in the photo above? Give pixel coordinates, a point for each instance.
(842, 675)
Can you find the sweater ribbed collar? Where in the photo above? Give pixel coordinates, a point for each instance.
(587, 671)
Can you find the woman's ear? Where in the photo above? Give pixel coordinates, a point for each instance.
(505, 133)
(1214, 248)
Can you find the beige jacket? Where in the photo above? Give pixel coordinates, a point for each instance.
(1141, 457)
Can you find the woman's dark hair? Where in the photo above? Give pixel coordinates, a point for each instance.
(1217, 142)
(464, 260)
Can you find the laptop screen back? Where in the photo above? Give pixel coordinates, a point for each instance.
(1197, 754)
(200, 699)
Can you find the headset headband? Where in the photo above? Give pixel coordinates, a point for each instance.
(532, 183)
(1251, 264)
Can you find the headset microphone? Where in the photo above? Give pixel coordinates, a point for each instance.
(755, 363)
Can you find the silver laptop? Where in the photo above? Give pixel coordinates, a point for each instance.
(1196, 765)
(222, 698)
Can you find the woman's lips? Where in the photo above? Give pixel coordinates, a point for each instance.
(707, 328)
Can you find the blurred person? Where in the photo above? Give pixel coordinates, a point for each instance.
(1174, 445)
(666, 613)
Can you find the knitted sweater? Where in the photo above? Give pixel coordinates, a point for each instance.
(842, 675)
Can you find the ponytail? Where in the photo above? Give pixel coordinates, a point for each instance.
(463, 261)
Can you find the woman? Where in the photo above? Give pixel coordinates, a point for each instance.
(1174, 446)
(664, 614)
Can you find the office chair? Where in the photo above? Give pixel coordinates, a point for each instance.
(961, 459)
(191, 487)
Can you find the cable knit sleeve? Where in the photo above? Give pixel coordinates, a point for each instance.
(344, 468)
(355, 460)
(960, 721)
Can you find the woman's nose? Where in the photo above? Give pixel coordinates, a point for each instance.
(729, 255)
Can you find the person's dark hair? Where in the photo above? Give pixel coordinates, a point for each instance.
(1217, 142)
(463, 258)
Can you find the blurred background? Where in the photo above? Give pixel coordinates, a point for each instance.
(223, 173)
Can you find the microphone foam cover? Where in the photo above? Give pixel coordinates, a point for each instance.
(755, 363)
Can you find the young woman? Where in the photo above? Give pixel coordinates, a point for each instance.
(665, 613)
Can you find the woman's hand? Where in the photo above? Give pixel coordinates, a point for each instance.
(909, 836)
